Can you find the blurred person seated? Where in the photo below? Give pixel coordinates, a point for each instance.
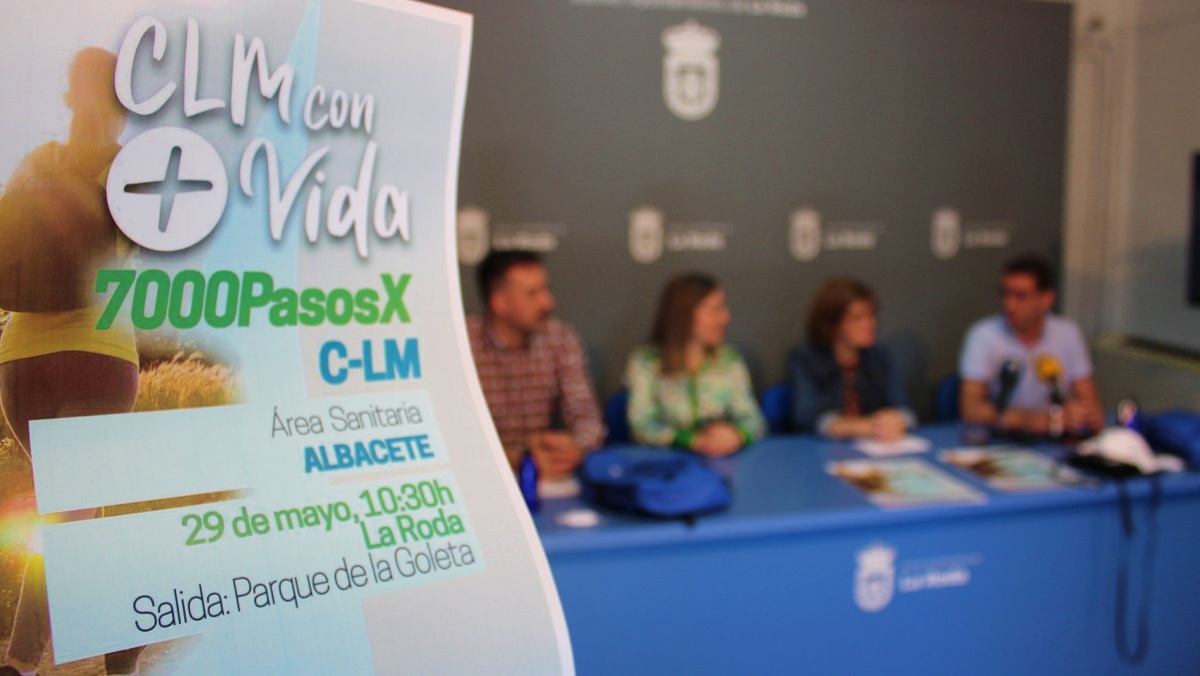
(843, 384)
(532, 368)
(1050, 388)
(687, 388)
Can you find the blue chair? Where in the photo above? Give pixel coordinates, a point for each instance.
(776, 403)
(617, 418)
(945, 403)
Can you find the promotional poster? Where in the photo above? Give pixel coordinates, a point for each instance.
(243, 431)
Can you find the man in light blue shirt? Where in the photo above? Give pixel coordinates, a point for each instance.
(1026, 370)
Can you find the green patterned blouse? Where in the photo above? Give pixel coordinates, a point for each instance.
(671, 410)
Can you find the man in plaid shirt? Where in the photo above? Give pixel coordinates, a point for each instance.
(532, 367)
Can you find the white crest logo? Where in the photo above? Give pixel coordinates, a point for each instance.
(945, 233)
(875, 579)
(804, 234)
(645, 234)
(691, 73)
(472, 235)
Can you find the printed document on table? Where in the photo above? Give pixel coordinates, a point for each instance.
(910, 443)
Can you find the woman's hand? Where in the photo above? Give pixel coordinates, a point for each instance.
(717, 439)
(888, 425)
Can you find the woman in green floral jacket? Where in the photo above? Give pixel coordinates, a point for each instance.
(687, 388)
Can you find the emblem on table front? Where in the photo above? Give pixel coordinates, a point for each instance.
(691, 72)
(875, 579)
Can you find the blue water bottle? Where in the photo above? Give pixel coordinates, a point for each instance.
(527, 478)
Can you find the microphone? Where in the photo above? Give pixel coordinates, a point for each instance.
(1049, 370)
(1010, 375)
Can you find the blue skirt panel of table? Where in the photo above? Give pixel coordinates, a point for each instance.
(803, 575)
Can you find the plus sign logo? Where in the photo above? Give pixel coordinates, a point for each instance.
(167, 189)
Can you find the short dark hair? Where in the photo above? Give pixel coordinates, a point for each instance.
(676, 313)
(496, 265)
(829, 308)
(1034, 265)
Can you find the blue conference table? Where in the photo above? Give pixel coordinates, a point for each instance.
(803, 575)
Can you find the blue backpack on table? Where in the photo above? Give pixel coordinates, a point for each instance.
(1174, 432)
(657, 482)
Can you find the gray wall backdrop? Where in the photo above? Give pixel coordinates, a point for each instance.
(1153, 301)
(875, 113)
